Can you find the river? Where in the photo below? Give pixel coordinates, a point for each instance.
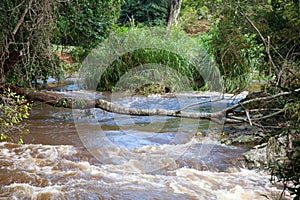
(93, 154)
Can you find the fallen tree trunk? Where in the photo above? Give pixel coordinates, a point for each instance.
(54, 98)
(61, 100)
(111, 107)
(226, 115)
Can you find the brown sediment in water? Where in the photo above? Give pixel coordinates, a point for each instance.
(57, 163)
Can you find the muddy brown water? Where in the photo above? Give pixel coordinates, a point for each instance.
(114, 156)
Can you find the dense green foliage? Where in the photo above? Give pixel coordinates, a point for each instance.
(13, 109)
(239, 49)
(233, 47)
(155, 74)
(28, 30)
(85, 23)
(25, 48)
(238, 62)
(233, 42)
(270, 46)
(148, 12)
(156, 46)
(283, 23)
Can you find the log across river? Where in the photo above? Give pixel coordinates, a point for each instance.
(94, 154)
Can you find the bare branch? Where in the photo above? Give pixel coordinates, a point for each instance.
(267, 98)
(268, 116)
(265, 43)
(21, 20)
(248, 117)
(199, 103)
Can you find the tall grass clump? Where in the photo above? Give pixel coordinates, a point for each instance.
(156, 55)
(149, 66)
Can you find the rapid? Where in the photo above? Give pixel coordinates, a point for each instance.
(94, 154)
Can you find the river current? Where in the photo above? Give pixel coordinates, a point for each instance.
(94, 154)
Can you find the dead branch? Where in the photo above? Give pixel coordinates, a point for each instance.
(21, 20)
(268, 116)
(248, 117)
(111, 107)
(226, 115)
(265, 43)
(199, 103)
(267, 98)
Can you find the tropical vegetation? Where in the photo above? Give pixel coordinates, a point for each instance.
(246, 39)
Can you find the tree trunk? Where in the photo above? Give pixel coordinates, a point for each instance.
(111, 107)
(13, 58)
(61, 100)
(229, 114)
(174, 11)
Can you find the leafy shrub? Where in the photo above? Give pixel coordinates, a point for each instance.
(85, 23)
(148, 12)
(13, 109)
